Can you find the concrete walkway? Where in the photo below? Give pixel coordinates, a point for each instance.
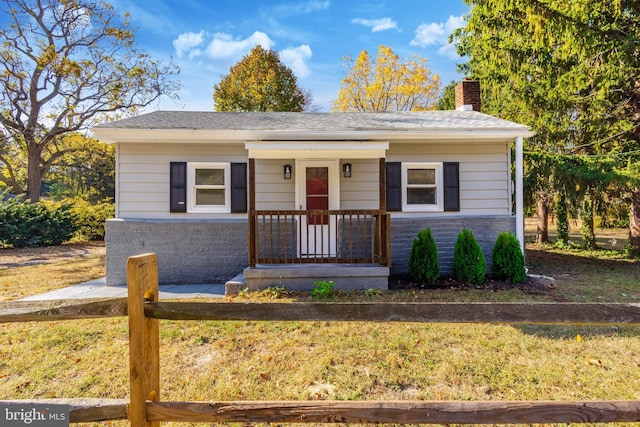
(98, 289)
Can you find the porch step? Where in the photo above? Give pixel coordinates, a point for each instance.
(235, 285)
(301, 277)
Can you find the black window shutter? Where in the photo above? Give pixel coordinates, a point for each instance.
(178, 187)
(394, 186)
(451, 186)
(238, 187)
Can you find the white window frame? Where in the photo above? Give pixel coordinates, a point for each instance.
(439, 186)
(192, 187)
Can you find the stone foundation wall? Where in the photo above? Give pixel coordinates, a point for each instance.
(188, 251)
(445, 232)
(214, 251)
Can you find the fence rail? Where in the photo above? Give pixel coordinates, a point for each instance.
(145, 408)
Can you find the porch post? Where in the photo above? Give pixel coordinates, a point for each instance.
(252, 211)
(385, 224)
(382, 182)
(519, 192)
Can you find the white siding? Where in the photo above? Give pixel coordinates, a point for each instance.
(484, 172)
(362, 190)
(273, 192)
(143, 176)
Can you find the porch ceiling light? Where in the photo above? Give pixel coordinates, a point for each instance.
(287, 171)
(346, 170)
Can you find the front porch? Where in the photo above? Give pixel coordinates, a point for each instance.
(319, 241)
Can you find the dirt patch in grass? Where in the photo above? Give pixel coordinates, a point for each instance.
(31, 271)
(20, 257)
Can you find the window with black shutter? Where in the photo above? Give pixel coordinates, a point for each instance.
(208, 187)
(238, 187)
(178, 187)
(394, 186)
(451, 172)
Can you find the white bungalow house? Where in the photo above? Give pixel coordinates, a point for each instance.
(289, 198)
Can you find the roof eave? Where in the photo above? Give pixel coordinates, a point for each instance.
(208, 135)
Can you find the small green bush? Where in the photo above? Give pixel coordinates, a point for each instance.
(469, 264)
(322, 289)
(90, 218)
(25, 224)
(507, 261)
(423, 259)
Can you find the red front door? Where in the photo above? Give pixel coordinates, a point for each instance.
(317, 193)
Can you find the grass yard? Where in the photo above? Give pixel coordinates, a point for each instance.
(320, 360)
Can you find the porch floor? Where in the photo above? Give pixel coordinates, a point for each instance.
(301, 277)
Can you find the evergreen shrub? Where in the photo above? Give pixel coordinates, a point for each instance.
(507, 260)
(423, 259)
(25, 224)
(469, 264)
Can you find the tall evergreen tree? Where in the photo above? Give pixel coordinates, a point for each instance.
(568, 69)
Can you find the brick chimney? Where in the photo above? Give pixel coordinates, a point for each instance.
(468, 95)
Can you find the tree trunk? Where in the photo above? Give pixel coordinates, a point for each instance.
(588, 226)
(542, 229)
(634, 222)
(562, 222)
(34, 174)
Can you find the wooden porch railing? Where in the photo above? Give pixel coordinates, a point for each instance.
(319, 236)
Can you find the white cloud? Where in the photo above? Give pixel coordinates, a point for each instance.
(187, 42)
(225, 46)
(436, 32)
(448, 50)
(295, 58)
(377, 24)
(222, 50)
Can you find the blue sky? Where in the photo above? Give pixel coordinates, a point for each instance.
(206, 37)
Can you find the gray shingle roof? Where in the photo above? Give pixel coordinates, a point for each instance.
(389, 121)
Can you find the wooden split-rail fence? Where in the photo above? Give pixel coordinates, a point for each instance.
(145, 407)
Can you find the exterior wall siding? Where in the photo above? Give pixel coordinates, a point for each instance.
(143, 176)
(445, 231)
(484, 172)
(361, 191)
(188, 251)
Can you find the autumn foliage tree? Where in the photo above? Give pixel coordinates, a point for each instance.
(387, 83)
(260, 82)
(63, 66)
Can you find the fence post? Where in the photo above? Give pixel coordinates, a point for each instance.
(144, 338)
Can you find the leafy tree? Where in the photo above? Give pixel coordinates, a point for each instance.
(87, 170)
(387, 83)
(13, 165)
(567, 69)
(447, 100)
(260, 82)
(63, 66)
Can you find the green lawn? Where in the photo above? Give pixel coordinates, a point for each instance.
(340, 360)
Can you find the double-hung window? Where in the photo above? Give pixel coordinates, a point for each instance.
(208, 187)
(423, 186)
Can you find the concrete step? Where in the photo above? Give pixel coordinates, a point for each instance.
(301, 277)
